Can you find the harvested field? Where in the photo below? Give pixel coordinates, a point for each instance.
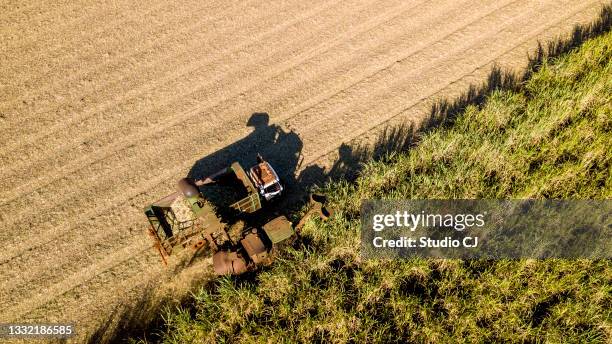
(103, 106)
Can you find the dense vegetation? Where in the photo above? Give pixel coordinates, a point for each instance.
(549, 138)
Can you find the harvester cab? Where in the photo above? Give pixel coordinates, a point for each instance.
(265, 179)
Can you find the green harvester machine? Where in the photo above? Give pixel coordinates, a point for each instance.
(200, 213)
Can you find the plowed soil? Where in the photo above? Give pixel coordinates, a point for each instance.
(104, 105)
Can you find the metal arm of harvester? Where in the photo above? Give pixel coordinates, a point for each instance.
(316, 208)
(211, 178)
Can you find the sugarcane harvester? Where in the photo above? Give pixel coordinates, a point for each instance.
(199, 214)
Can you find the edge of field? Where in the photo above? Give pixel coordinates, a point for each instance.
(396, 140)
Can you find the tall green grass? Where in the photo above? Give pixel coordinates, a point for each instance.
(550, 138)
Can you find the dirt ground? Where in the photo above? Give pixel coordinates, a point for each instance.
(104, 105)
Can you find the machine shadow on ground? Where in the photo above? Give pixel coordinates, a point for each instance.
(279, 147)
(142, 318)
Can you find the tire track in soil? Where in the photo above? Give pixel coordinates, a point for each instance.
(141, 50)
(133, 94)
(119, 65)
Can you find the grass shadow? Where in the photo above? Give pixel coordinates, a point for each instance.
(444, 111)
(400, 138)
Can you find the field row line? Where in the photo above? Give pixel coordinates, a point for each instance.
(142, 46)
(32, 41)
(138, 136)
(145, 45)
